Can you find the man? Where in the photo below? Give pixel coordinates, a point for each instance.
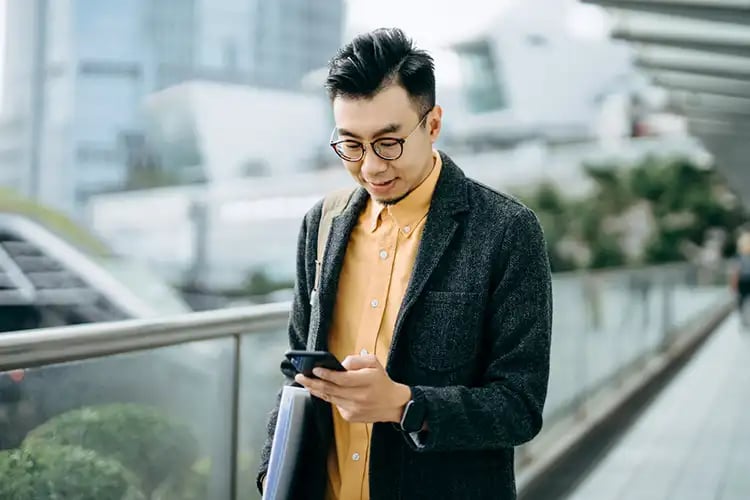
(740, 277)
(434, 291)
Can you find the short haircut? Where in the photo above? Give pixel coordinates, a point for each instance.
(378, 59)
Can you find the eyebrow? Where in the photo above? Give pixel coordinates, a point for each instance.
(388, 129)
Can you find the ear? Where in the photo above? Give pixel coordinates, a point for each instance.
(435, 123)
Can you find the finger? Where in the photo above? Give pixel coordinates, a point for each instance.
(318, 386)
(312, 384)
(359, 362)
(302, 380)
(360, 380)
(319, 395)
(341, 379)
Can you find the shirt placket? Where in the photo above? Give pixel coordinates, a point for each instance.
(384, 242)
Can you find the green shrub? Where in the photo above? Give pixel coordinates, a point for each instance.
(141, 438)
(194, 485)
(64, 472)
(190, 486)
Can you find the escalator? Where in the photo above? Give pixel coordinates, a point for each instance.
(45, 281)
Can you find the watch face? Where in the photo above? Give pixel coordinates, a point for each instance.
(413, 419)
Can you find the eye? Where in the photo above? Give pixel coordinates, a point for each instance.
(388, 148)
(349, 146)
(349, 150)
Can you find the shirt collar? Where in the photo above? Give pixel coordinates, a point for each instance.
(412, 209)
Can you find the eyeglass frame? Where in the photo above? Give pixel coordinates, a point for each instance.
(400, 140)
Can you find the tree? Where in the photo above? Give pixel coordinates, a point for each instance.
(672, 201)
(145, 441)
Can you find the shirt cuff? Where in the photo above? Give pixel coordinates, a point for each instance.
(416, 438)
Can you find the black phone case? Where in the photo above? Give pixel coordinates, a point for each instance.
(305, 361)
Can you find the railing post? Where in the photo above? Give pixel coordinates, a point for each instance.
(235, 423)
(666, 319)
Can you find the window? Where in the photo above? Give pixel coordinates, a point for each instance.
(481, 78)
(230, 55)
(109, 68)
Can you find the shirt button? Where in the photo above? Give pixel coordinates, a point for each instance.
(407, 229)
(355, 457)
(374, 303)
(383, 254)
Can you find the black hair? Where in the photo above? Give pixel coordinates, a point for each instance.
(375, 60)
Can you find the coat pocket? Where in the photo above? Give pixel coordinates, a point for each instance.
(446, 334)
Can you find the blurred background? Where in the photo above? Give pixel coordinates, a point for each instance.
(157, 157)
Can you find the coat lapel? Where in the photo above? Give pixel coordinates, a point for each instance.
(341, 229)
(449, 200)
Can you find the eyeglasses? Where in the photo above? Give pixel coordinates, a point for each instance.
(386, 148)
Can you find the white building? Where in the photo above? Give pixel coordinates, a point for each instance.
(532, 73)
(216, 132)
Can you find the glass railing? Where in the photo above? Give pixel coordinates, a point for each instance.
(168, 409)
(605, 324)
(175, 408)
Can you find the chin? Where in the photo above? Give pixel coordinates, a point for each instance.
(390, 200)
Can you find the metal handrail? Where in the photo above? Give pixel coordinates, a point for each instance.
(25, 349)
(29, 348)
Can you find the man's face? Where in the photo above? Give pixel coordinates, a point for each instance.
(388, 114)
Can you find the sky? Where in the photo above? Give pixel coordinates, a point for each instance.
(433, 24)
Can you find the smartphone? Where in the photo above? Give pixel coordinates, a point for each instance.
(305, 361)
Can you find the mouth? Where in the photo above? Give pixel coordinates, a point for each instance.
(381, 184)
(381, 187)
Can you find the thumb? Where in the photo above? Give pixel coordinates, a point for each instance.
(358, 362)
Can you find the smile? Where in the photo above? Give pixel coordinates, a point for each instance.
(381, 188)
(382, 184)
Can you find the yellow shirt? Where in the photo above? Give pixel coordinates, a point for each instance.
(377, 267)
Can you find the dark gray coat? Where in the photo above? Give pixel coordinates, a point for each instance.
(472, 335)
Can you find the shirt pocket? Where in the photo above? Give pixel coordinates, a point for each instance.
(446, 332)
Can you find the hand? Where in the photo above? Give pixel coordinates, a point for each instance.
(364, 393)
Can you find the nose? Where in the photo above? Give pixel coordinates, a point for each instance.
(373, 165)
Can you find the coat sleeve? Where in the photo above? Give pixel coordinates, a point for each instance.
(505, 410)
(299, 321)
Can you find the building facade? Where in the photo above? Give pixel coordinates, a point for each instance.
(77, 72)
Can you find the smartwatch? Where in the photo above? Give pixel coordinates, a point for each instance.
(414, 414)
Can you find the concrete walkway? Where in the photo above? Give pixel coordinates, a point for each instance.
(693, 442)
